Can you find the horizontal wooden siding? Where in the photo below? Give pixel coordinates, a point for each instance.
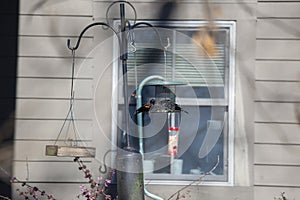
(277, 141)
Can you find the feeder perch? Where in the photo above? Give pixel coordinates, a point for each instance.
(70, 151)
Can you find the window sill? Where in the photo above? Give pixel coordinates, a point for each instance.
(186, 179)
(184, 183)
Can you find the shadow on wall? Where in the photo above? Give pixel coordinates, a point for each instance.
(8, 56)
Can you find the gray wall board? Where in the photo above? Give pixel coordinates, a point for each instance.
(41, 67)
(49, 129)
(196, 11)
(52, 46)
(53, 25)
(282, 9)
(281, 154)
(277, 133)
(277, 91)
(276, 112)
(56, 7)
(269, 192)
(277, 175)
(54, 88)
(52, 109)
(278, 49)
(277, 70)
(278, 28)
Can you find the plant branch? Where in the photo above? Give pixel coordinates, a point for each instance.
(30, 190)
(198, 180)
(3, 197)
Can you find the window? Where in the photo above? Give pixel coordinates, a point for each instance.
(205, 140)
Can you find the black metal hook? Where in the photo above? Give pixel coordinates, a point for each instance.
(103, 168)
(85, 29)
(121, 1)
(156, 31)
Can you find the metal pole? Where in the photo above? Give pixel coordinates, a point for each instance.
(130, 177)
(124, 57)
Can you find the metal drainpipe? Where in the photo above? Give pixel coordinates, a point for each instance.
(140, 125)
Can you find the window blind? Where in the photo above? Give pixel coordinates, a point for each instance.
(182, 64)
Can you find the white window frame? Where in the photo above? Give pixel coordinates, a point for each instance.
(231, 25)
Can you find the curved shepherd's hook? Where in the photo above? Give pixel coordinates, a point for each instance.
(85, 29)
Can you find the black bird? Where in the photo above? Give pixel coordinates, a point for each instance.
(171, 106)
(146, 107)
(178, 108)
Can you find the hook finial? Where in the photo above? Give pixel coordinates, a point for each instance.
(69, 45)
(168, 44)
(133, 47)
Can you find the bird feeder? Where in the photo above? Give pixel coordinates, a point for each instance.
(165, 96)
(165, 103)
(174, 119)
(70, 151)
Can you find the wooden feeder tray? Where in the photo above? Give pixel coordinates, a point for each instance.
(70, 151)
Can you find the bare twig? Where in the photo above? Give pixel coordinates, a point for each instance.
(3, 197)
(183, 188)
(198, 180)
(30, 190)
(4, 171)
(27, 168)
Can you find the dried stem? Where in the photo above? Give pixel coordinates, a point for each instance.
(198, 180)
(95, 189)
(31, 190)
(3, 197)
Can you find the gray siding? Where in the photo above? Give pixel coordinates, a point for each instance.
(277, 144)
(8, 59)
(244, 15)
(44, 68)
(43, 88)
(270, 111)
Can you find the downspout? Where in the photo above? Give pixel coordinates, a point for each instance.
(140, 126)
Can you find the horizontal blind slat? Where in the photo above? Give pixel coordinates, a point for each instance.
(190, 67)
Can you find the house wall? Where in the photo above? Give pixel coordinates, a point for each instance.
(276, 100)
(267, 59)
(8, 58)
(43, 89)
(244, 15)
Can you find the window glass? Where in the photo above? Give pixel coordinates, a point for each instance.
(204, 128)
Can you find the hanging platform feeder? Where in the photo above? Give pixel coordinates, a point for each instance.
(70, 151)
